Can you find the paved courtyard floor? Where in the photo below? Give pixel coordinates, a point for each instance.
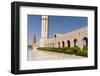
(34, 54)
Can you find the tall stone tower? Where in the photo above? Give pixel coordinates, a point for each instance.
(44, 31)
(34, 38)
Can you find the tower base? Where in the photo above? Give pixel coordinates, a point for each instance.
(42, 43)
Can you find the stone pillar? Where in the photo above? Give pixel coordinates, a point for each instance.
(44, 31)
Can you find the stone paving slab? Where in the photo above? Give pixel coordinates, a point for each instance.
(47, 55)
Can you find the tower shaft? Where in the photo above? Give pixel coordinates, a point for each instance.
(44, 31)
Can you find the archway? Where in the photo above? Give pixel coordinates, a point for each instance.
(75, 42)
(63, 44)
(85, 42)
(68, 43)
(58, 44)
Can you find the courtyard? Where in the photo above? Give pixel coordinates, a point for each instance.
(34, 54)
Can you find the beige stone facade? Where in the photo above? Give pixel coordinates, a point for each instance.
(77, 37)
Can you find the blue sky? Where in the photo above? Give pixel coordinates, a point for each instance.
(57, 24)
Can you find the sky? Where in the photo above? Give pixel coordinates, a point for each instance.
(57, 25)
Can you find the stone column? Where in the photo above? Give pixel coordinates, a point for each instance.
(44, 31)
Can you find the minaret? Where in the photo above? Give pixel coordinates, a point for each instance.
(44, 31)
(34, 38)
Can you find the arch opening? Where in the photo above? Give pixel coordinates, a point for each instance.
(68, 43)
(75, 42)
(63, 44)
(85, 42)
(58, 44)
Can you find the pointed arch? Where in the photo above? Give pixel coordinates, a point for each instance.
(85, 42)
(63, 44)
(58, 44)
(68, 43)
(75, 42)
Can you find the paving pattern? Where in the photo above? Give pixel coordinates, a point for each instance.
(34, 54)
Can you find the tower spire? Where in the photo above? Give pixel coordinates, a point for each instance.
(44, 31)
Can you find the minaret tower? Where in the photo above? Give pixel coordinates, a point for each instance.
(34, 38)
(44, 31)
